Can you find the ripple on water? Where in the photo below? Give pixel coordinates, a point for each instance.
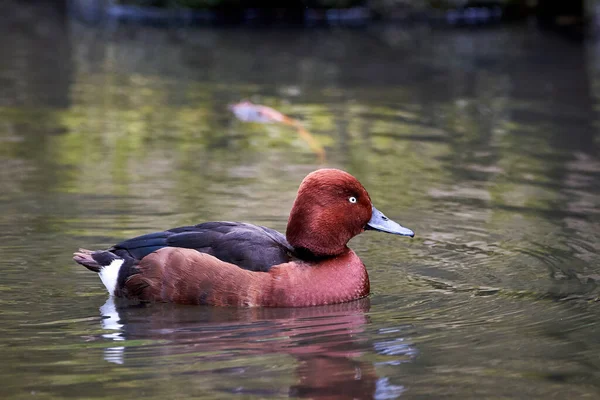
(505, 338)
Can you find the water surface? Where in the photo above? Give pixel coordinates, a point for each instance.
(484, 142)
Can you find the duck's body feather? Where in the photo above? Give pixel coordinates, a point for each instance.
(184, 276)
(251, 247)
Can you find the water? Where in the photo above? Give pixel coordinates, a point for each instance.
(484, 142)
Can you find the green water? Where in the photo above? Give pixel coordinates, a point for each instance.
(483, 142)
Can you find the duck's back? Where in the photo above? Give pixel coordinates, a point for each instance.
(251, 247)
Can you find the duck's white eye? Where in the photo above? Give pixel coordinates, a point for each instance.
(352, 199)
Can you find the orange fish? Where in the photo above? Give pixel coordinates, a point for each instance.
(249, 112)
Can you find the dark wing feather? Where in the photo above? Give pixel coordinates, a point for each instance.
(251, 247)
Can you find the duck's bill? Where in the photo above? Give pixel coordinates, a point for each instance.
(380, 222)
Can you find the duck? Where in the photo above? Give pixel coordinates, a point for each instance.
(238, 264)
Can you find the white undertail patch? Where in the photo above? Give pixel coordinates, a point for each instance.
(110, 274)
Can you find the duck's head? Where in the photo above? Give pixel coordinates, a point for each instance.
(331, 208)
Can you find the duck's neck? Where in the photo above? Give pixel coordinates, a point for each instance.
(308, 255)
(329, 281)
(320, 236)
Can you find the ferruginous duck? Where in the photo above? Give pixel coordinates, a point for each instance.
(239, 264)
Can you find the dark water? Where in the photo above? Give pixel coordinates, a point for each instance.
(484, 142)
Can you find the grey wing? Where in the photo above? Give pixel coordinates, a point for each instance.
(252, 247)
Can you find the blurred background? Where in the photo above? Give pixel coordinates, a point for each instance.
(474, 123)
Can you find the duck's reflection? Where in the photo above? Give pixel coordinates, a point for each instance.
(326, 341)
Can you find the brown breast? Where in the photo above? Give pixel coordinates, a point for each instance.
(336, 280)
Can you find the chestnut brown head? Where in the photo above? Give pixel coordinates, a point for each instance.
(331, 208)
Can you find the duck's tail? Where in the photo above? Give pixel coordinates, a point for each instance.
(107, 264)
